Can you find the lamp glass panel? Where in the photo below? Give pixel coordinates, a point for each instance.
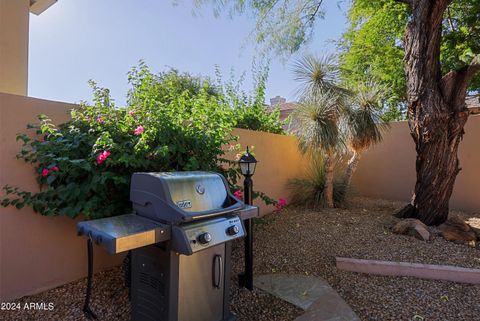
(252, 168)
(244, 168)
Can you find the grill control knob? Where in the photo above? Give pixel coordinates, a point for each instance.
(233, 230)
(204, 238)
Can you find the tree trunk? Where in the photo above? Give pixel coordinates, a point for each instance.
(351, 168)
(328, 188)
(437, 167)
(436, 112)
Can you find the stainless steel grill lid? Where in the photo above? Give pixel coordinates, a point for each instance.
(176, 197)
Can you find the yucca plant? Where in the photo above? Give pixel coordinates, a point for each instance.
(309, 191)
(322, 103)
(363, 125)
(319, 134)
(316, 75)
(333, 119)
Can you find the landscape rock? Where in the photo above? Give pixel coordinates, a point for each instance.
(474, 223)
(477, 232)
(456, 230)
(412, 227)
(405, 212)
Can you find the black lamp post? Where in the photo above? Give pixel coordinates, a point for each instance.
(247, 166)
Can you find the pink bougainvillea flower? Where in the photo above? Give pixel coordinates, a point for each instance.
(55, 169)
(281, 203)
(102, 157)
(100, 120)
(139, 130)
(45, 172)
(238, 194)
(131, 113)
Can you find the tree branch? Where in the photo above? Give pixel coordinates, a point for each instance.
(449, 18)
(319, 4)
(473, 68)
(455, 83)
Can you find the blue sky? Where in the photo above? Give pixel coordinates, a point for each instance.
(78, 40)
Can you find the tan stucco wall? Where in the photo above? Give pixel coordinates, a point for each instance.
(14, 21)
(36, 252)
(388, 169)
(279, 160)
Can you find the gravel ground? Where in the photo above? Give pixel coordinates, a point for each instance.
(110, 302)
(303, 241)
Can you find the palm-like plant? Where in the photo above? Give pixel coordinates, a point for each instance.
(319, 132)
(309, 191)
(331, 117)
(363, 125)
(316, 75)
(319, 113)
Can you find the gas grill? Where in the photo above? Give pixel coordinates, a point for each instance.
(179, 237)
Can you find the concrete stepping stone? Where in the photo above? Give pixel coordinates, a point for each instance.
(310, 293)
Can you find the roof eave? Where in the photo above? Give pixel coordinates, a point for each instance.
(39, 6)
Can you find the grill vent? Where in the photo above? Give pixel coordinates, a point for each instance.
(153, 282)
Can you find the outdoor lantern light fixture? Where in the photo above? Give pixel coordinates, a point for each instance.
(247, 166)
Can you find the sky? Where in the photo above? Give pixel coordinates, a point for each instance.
(77, 40)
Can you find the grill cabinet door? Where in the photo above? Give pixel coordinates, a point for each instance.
(201, 285)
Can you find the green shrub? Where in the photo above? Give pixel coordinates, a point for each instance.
(250, 111)
(173, 122)
(308, 192)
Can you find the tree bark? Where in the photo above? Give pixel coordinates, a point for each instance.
(436, 112)
(351, 168)
(328, 188)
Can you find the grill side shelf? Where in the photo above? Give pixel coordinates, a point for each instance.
(123, 233)
(248, 212)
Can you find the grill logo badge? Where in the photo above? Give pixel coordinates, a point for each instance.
(200, 189)
(184, 204)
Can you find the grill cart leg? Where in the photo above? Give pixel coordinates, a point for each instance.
(86, 307)
(127, 275)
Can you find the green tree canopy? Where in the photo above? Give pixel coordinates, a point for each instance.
(372, 47)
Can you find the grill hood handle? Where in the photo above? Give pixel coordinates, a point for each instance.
(232, 208)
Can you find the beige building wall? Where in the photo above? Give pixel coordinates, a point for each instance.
(14, 18)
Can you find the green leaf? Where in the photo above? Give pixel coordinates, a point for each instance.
(20, 205)
(51, 179)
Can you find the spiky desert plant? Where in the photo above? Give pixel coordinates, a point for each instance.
(309, 191)
(318, 114)
(319, 133)
(316, 75)
(363, 125)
